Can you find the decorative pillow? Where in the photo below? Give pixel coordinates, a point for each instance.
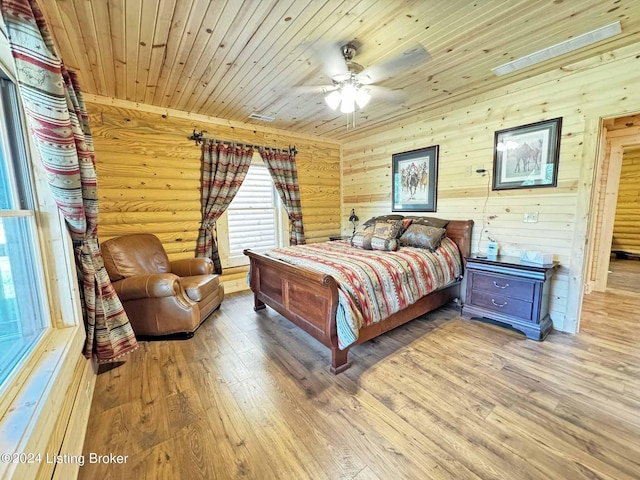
(422, 236)
(383, 218)
(430, 221)
(385, 235)
(362, 237)
(405, 223)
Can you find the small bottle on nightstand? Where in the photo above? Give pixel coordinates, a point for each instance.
(492, 248)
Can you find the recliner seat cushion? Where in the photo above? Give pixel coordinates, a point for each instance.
(199, 287)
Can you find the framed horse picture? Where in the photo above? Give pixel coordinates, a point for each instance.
(415, 180)
(527, 156)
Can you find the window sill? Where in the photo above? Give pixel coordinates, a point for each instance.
(29, 423)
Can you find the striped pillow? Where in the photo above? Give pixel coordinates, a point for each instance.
(362, 237)
(385, 235)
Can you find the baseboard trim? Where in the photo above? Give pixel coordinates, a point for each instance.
(77, 420)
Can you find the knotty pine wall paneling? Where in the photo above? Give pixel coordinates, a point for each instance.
(581, 93)
(626, 228)
(149, 175)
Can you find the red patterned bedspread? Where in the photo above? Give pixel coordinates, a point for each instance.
(372, 284)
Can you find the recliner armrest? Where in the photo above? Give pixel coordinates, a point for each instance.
(155, 285)
(189, 267)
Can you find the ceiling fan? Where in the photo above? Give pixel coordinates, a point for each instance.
(353, 84)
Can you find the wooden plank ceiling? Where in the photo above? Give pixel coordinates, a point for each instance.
(232, 58)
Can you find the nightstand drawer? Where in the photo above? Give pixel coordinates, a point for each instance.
(503, 286)
(502, 304)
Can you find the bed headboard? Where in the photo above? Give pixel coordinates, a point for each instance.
(460, 232)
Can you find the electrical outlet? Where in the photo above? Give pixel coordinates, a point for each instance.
(467, 171)
(530, 217)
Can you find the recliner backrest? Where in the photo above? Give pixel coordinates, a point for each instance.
(136, 254)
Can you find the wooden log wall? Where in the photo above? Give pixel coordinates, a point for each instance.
(149, 175)
(580, 93)
(626, 228)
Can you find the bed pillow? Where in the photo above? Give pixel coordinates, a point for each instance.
(406, 221)
(383, 218)
(362, 237)
(385, 235)
(430, 221)
(422, 236)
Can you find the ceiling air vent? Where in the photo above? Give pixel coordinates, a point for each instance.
(559, 49)
(263, 118)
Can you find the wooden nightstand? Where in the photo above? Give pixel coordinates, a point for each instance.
(339, 237)
(510, 291)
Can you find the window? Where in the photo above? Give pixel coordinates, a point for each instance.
(41, 327)
(255, 218)
(22, 303)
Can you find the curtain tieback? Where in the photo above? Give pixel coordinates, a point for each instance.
(207, 226)
(88, 252)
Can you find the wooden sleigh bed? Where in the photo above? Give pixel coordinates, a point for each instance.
(310, 299)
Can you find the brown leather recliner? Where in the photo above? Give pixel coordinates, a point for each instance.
(159, 296)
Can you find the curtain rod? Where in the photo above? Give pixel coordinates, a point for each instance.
(200, 138)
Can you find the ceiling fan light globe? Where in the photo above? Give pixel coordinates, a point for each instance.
(333, 99)
(348, 105)
(348, 98)
(362, 98)
(348, 92)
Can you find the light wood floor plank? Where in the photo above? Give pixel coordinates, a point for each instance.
(625, 275)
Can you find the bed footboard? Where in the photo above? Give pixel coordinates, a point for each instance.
(308, 299)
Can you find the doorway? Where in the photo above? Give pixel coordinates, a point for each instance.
(619, 146)
(624, 266)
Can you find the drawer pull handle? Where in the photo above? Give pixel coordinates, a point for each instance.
(498, 304)
(500, 286)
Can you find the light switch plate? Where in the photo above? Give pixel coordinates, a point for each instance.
(530, 217)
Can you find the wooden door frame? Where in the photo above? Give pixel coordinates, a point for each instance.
(611, 149)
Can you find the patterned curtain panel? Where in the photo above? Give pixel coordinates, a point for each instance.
(60, 128)
(223, 171)
(282, 167)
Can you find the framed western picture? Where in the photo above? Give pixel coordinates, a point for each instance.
(415, 180)
(527, 156)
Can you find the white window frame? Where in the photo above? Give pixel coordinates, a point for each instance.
(222, 227)
(34, 396)
(37, 265)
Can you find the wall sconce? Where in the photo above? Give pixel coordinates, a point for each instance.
(353, 218)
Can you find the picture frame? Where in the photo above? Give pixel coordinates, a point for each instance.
(527, 156)
(415, 180)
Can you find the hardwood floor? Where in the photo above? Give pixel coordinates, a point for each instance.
(250, 396)
(624, 275)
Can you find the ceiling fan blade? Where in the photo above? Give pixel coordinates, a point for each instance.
(410, 58)
(302, 89)
(386, 94)
(331, 58)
